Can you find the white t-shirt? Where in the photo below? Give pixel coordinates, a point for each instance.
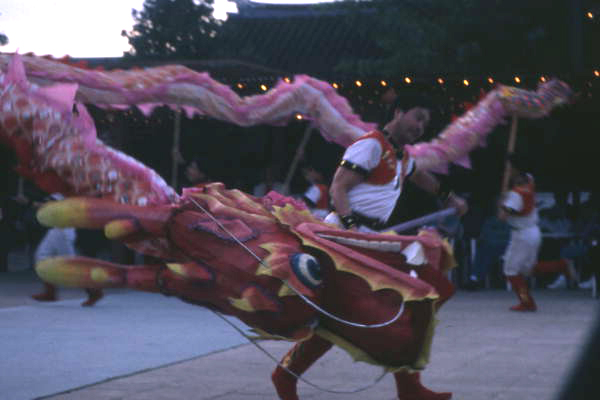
(313, 193)
(514, 201)
(375, 201)
(56, 242)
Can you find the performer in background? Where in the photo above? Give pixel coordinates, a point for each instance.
(517, 207)
(60, 242)
(317, 194)
(194, 175)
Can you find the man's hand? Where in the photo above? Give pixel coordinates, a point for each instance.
(458, 203)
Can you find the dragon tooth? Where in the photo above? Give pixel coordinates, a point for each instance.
(414, 253)
(389, 246)
(366, 244)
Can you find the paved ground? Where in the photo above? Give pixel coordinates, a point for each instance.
(481, 350)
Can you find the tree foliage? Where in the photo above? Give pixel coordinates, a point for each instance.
(173, 28)
(388, 37)
(3, 39)
(466, 36)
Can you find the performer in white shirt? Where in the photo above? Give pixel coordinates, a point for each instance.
(518, 208)
(368, 182)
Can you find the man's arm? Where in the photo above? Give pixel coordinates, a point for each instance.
(343, 180)
(425, 181)
(510, 204)
(430, 184)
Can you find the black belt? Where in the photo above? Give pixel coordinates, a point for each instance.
(373, 223)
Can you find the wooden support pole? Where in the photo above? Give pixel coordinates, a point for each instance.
(512, 140)
(297, 158)
(175, 152)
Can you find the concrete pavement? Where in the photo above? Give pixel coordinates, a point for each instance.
(481, 350)
(51, 347)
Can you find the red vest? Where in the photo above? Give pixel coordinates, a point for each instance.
(527, 192)
(385, 171)
(323, 202)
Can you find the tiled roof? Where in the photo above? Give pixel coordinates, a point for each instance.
(276, 41)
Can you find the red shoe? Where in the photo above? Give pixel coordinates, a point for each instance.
(410, 388)
(93, 296)
(519, 285)
(524, 307)
(49, 294)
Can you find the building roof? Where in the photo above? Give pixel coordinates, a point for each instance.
(275, 41)
(300, 38)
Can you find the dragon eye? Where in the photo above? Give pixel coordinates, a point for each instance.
(307, 269)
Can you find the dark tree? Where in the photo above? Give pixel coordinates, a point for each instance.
(173, 28)
(462, 36)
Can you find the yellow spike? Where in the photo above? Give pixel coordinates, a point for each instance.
(286, 291)
(65, 213)
(120, 228)
(177, 268)
(190, 271)
(264, 270)
(99, 275)
(242, 304)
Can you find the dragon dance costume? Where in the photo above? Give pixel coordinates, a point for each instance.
(266, 260)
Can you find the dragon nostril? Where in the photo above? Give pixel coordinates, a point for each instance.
(307, 269)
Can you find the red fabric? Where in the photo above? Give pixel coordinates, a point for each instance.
(385, 171)
(323, 202)
(298, 360)
(527, 192)
(48, 181)
(551, 267)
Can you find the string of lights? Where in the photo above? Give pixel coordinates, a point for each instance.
(264, 83)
